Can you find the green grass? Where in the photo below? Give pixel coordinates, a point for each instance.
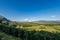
(7, 37)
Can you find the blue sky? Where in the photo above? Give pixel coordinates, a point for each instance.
(30, 10)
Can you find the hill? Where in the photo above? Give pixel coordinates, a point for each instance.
(3, 18)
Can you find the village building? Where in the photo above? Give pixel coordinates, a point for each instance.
(19, 26)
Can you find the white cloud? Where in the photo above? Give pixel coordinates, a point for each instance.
(30, 19)
(53, 16)
(26, 19)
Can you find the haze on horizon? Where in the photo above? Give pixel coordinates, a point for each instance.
(30, 10)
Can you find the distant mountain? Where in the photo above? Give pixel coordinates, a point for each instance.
(3, 18)
(48, 22)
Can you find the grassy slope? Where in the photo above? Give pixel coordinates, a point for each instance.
(7, 37)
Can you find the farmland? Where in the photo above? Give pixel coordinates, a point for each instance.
(45, 28)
